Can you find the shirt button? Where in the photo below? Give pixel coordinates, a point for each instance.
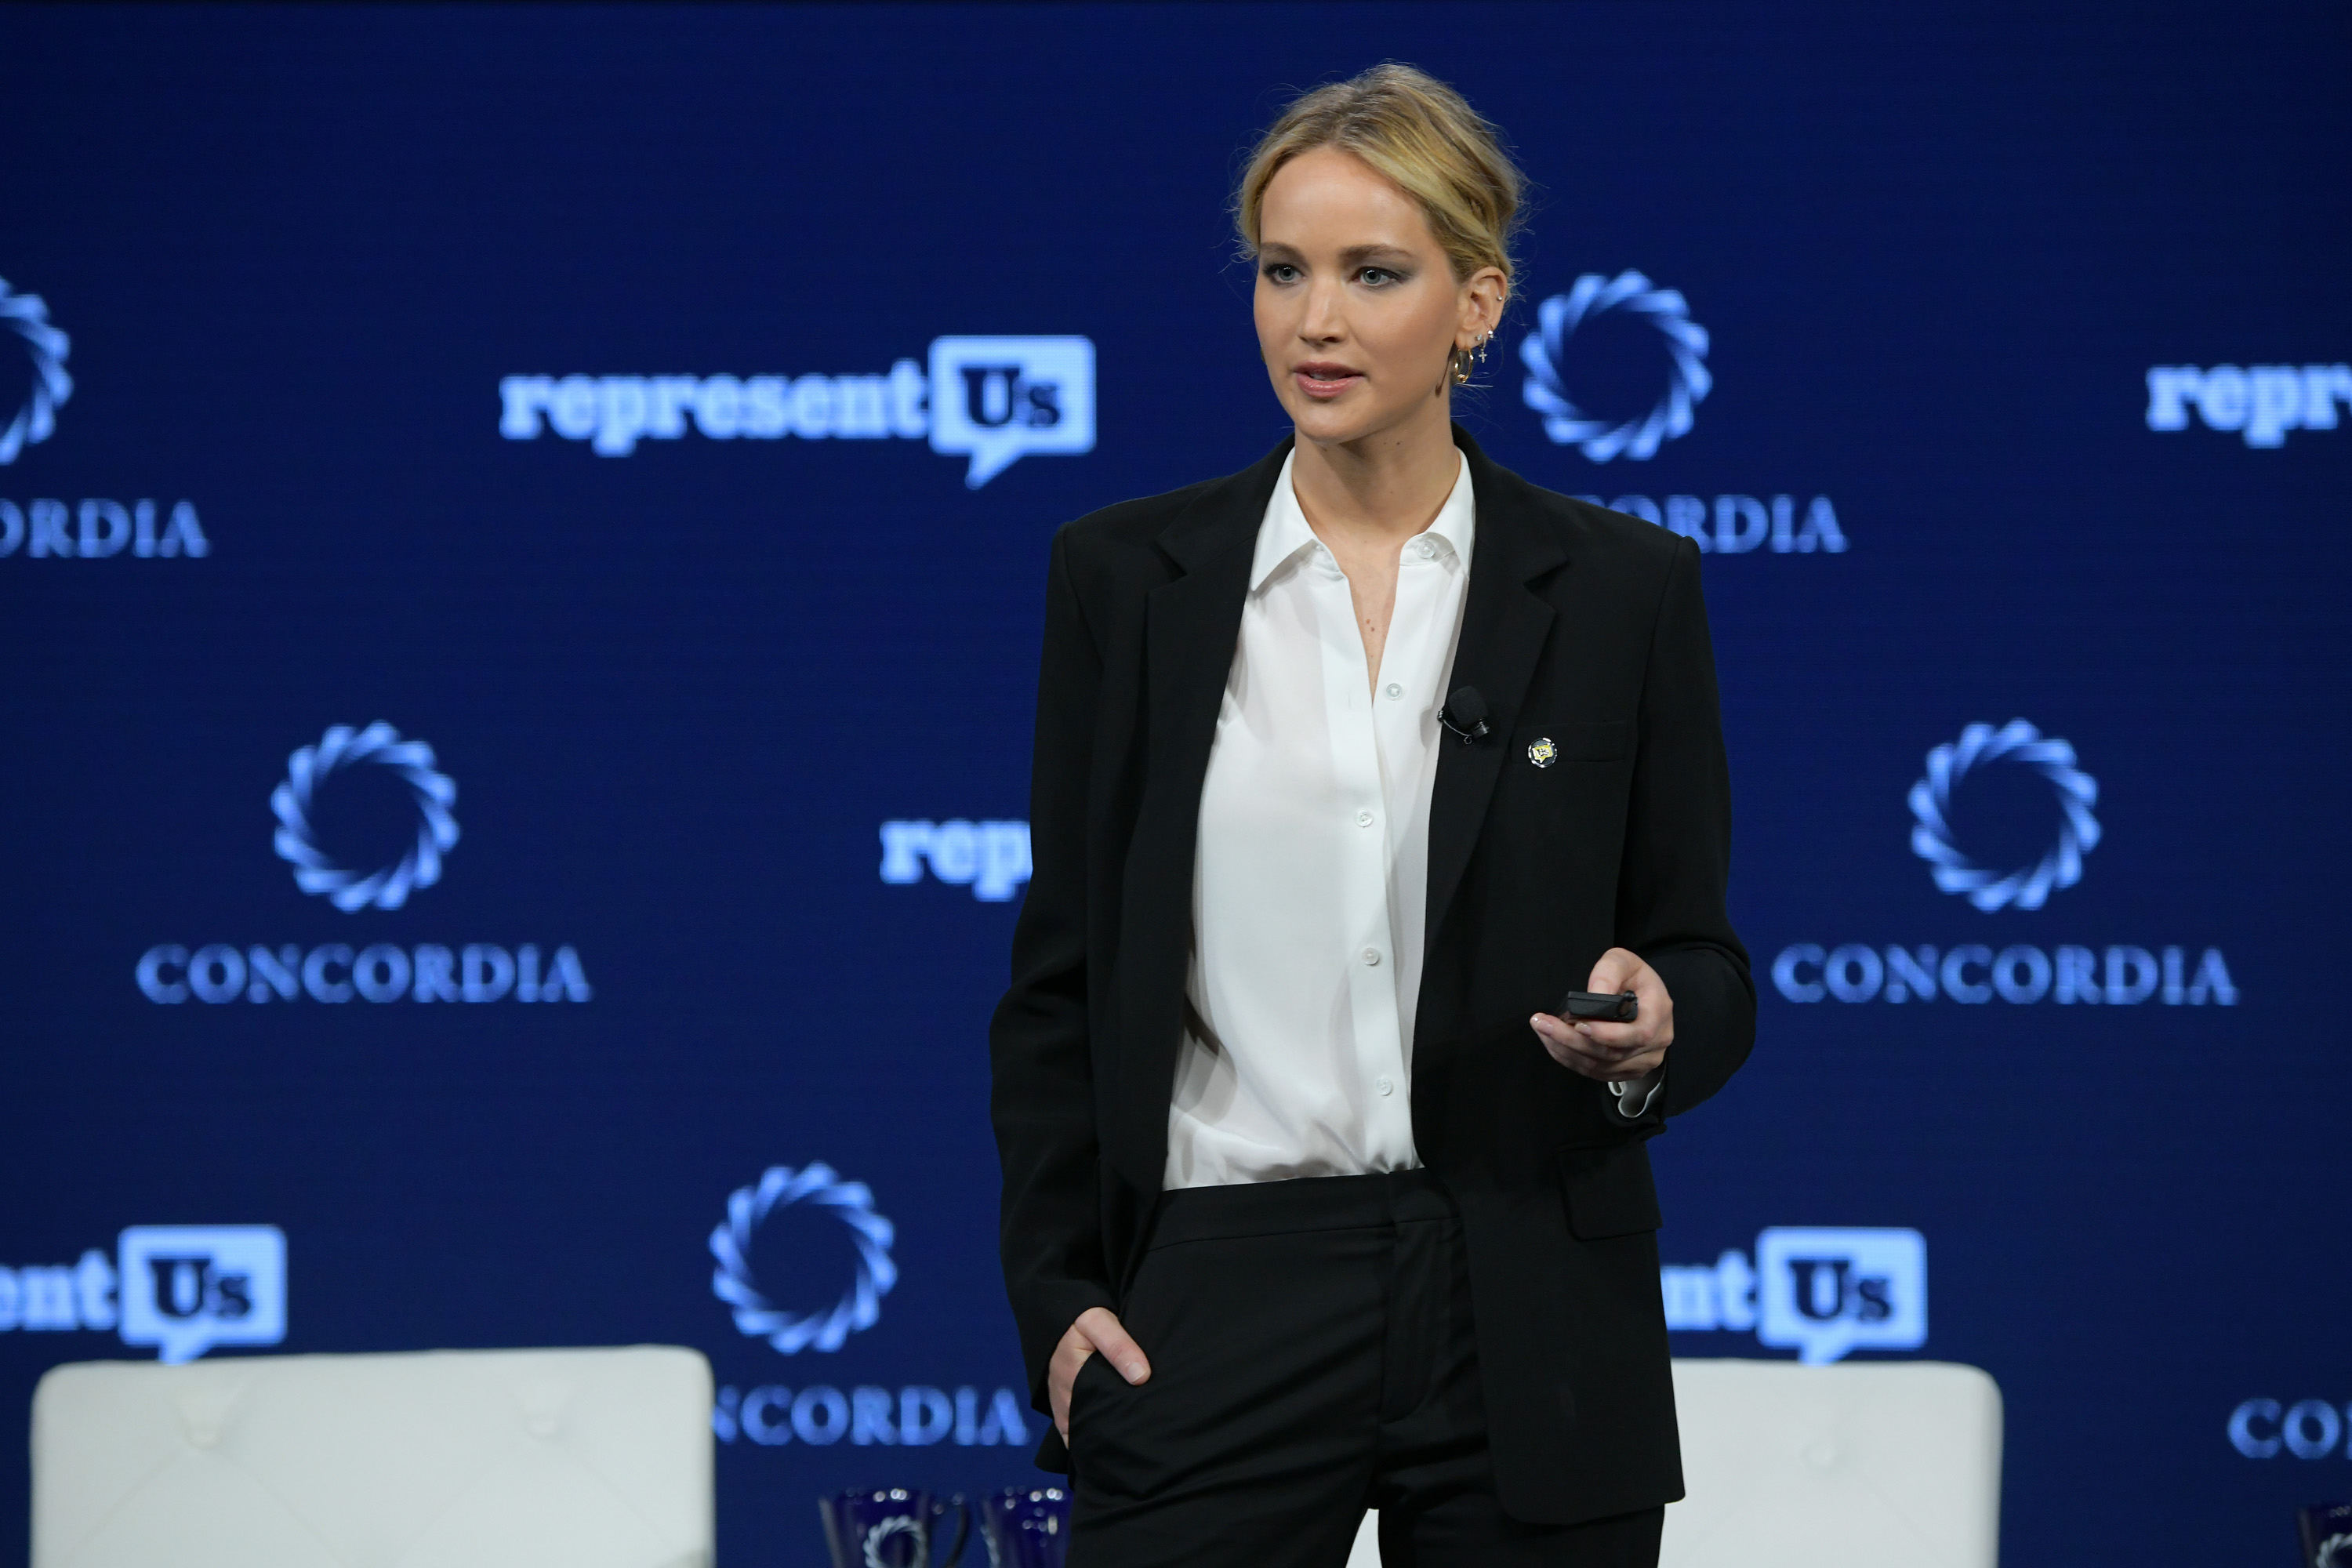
(1363, 819)
(1395, 691)
(1372, 955)
(1383, 1087)
(1427, 550)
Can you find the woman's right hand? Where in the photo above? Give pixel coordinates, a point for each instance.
(1097, 1331)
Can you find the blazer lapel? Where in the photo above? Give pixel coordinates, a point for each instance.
(1192, 625)
(1503, 629)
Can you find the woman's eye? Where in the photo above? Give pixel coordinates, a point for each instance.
(1378, 277)
(1282, 272)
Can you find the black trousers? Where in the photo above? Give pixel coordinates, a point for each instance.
(1311, 1356)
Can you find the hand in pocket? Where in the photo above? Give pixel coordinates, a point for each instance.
(1096, 1332)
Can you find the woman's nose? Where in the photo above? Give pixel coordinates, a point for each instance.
(1324, 321)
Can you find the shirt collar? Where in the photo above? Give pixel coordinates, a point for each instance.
(1285, 534)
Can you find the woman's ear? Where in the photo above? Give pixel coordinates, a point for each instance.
(1488, 292)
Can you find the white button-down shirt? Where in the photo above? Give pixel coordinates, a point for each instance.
(1312, 877)
(1310, 882)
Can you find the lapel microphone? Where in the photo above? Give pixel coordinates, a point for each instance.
(1465, 715)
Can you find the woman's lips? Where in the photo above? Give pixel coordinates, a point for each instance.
(1323, 379)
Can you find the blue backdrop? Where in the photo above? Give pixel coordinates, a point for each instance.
(655, 420)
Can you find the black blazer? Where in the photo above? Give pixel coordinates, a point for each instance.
(1582, 626)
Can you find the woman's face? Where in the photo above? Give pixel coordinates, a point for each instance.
(1358, 308)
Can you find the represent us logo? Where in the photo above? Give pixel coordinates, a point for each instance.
(180, 1289)
(994, 399)
(991, 857)
(1629, 416)
(991, 400)
(2261, 402)
(1820, 1292)
(795, 1308)
(346, 772)
(2020, 973)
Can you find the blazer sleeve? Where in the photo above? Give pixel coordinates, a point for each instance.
(1677, 861)
(1042, 1089)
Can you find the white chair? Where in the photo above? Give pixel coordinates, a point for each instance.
(594, 1458)
(1852, 1465)
(1855, 1463)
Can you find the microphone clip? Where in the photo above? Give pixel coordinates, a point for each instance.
(1463, 717)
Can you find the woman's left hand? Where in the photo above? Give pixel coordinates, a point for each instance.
(1616, 1053)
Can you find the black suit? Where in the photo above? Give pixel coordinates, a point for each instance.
(1582, 626)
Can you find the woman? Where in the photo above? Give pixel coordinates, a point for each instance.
(1348, 767)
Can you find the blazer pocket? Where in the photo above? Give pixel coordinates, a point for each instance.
(1599, 741)
(1608, 1190)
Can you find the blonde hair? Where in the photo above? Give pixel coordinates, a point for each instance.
(1420, 134)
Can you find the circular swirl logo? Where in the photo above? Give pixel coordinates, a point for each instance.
(29, 318)
(756, 1313)
(914, 1542)
(2017, 744)
(1546, 356)
(386, 887)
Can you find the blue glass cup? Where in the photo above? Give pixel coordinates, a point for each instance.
(1025, 1527)
(890, 1527)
